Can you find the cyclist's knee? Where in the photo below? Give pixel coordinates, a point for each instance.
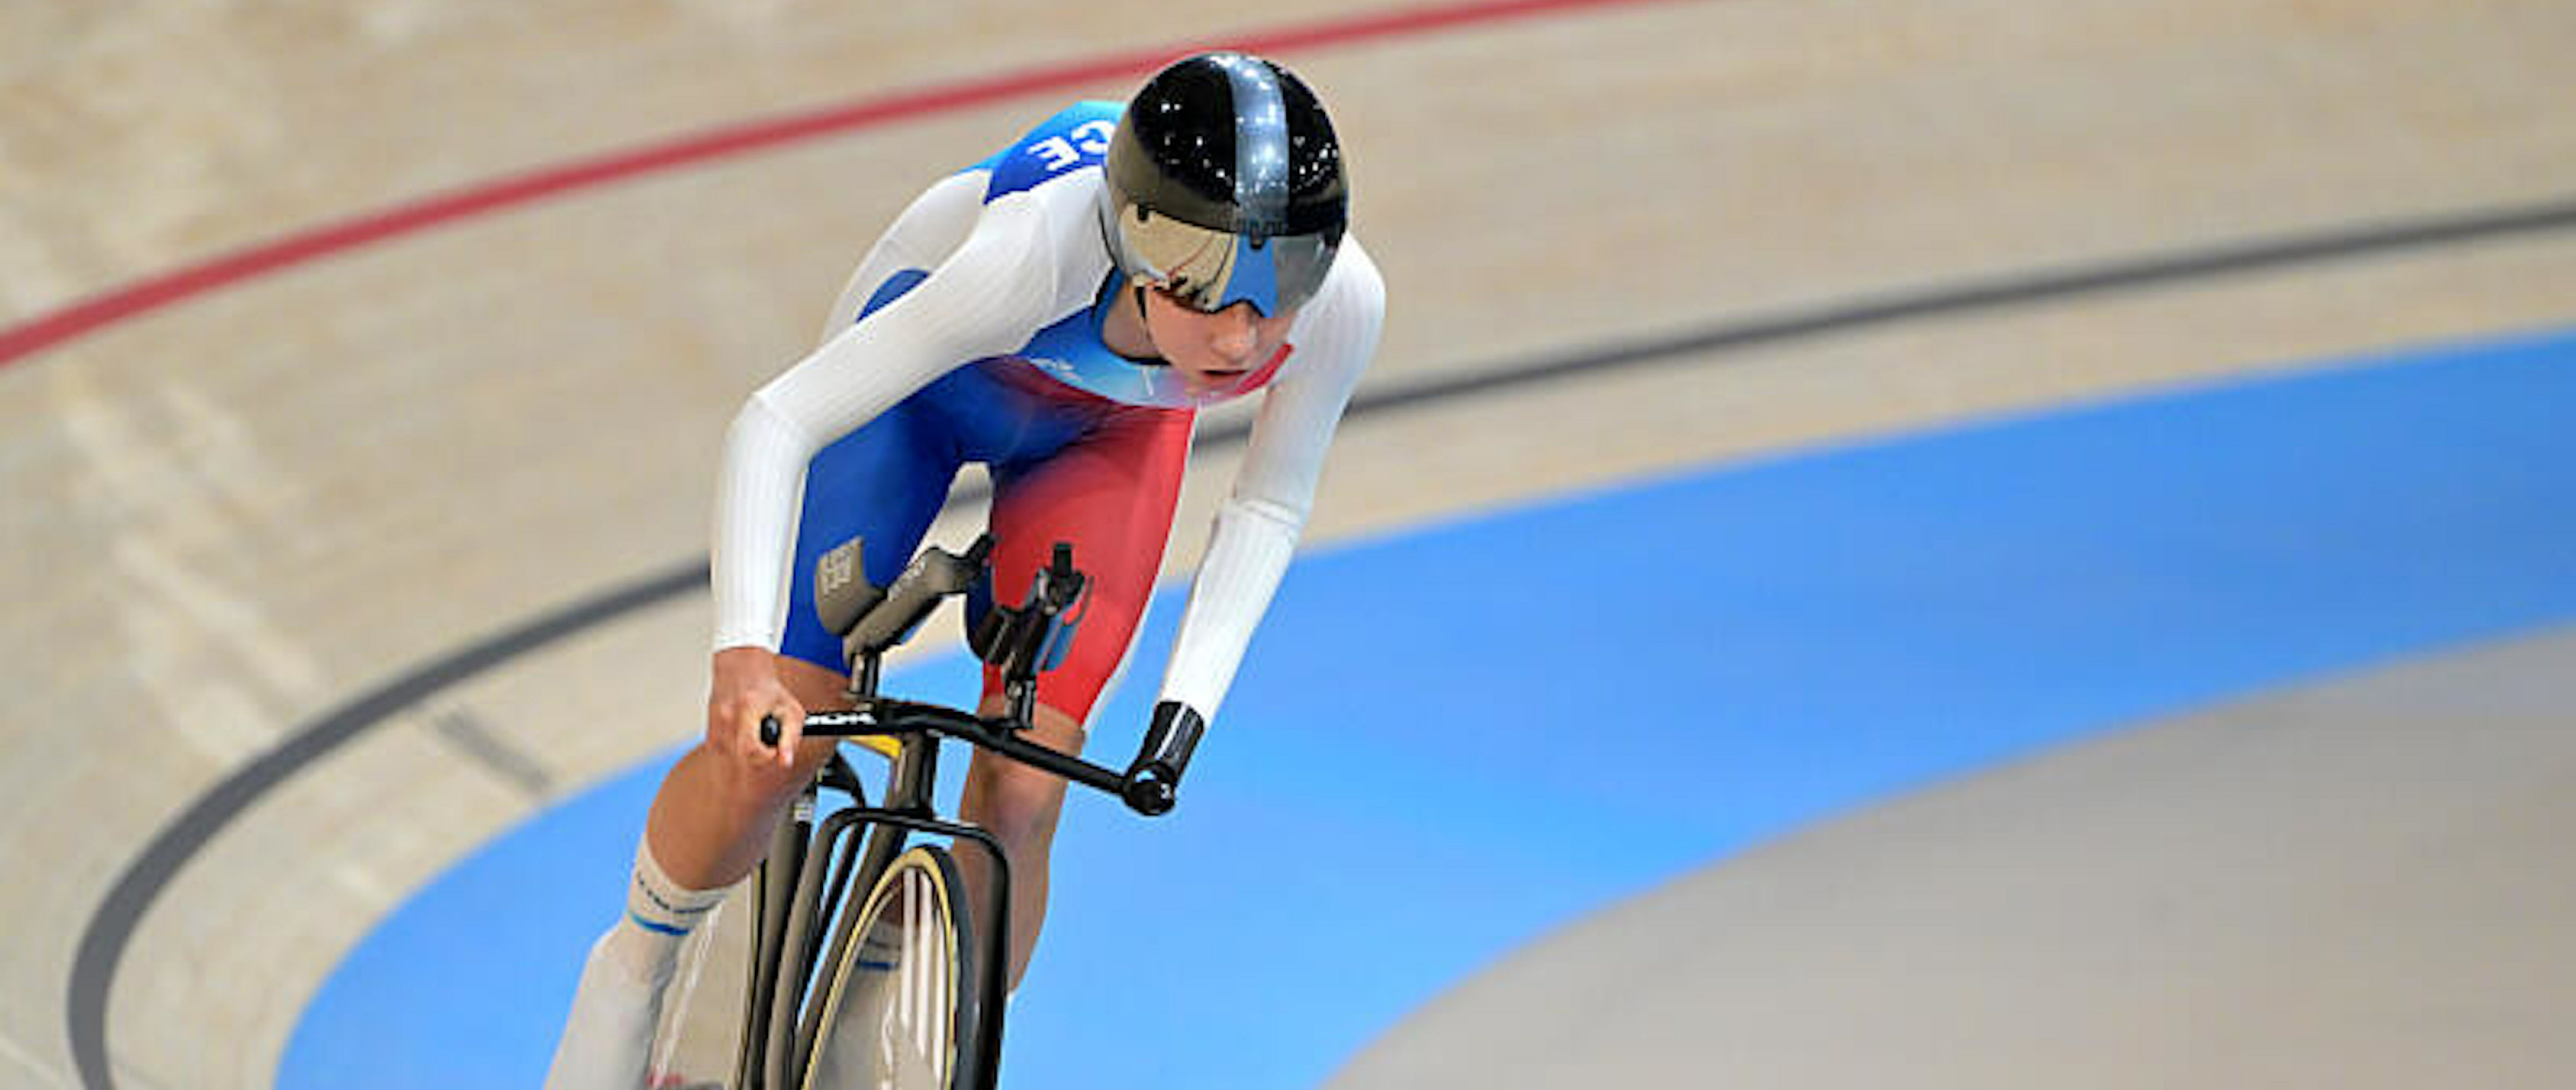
(1019, 803)
(1049, 724)
(1018, 810)
(1058, 730)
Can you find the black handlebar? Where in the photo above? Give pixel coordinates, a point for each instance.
(1150, 787)
(1020, 642)
(933, 577)
(880, 716)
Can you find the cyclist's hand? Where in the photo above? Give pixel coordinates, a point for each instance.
(746, 689)
(1154, 781)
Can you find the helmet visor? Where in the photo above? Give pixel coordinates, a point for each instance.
(1210, 270)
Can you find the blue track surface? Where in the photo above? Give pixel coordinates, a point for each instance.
(1450, 742)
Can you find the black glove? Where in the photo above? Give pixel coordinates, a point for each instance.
(1154, 781)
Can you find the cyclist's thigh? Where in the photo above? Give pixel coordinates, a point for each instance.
(815, 688)
(883, 483)
(1109, 493)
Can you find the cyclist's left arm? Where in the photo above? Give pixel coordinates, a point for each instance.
(1257, 526)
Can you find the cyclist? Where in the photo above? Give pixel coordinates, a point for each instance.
(1056, 312)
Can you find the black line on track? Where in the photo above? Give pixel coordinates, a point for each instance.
(506, 762)
(103, 942)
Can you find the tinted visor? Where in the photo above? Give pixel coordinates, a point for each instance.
(1210, 270)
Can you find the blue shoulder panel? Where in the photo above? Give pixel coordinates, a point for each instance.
(1076, 137)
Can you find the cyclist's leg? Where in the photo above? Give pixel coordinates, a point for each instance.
(1111, 495)
(608, 1036)
(884, 483)
(711, 821)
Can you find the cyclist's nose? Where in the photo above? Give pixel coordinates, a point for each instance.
(1237, 333)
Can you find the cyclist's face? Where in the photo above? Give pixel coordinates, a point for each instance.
(1213, 352)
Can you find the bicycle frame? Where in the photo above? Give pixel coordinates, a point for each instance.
(805, 878)
(782, 1026)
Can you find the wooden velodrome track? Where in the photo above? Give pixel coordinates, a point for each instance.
(235, 513)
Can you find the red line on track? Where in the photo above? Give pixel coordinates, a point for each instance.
(51, 329)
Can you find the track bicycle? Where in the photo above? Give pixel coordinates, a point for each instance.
(904, 989)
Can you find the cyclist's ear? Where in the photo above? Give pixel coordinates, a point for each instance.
(842, 593)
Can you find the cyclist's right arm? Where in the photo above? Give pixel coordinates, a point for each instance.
(977, 303)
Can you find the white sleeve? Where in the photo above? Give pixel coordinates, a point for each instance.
(1258, 524)
(984, 300)
(930, 228)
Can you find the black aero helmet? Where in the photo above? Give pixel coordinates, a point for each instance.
(1224, 185)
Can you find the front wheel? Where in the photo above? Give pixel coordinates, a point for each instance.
(900, 1005)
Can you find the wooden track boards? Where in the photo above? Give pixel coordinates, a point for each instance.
(233, 515)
